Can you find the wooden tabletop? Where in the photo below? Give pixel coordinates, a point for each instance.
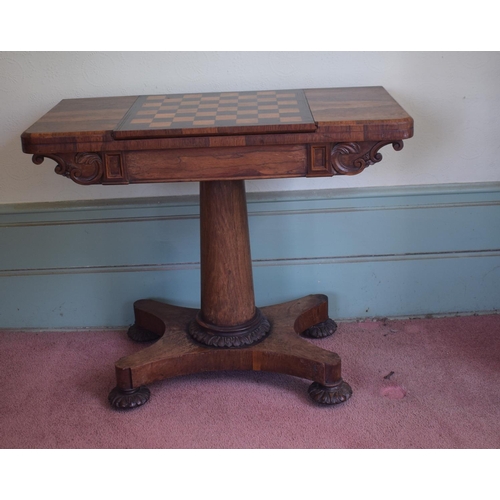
(219, 136)
(219, 119)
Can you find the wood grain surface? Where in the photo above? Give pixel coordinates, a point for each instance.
(227, 294)
(176, 354)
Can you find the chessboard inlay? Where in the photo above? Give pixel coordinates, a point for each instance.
(223, 113)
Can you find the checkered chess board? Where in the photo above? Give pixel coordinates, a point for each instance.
(227, 112)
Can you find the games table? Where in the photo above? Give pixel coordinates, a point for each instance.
(220, 140)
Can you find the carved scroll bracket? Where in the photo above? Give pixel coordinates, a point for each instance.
(83, 168)
(89, 168)
(351, 158)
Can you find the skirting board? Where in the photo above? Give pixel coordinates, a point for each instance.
(376, 252)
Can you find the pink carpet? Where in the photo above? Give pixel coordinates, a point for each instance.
(444, 392)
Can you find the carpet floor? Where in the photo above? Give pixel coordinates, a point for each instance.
(417, 383)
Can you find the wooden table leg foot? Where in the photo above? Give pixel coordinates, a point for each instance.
(139, 334)
(321, 330)
(126, 399)
(330, 394)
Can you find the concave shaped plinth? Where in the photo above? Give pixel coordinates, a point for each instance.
(282, 351)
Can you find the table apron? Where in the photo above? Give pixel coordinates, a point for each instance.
(215, 163)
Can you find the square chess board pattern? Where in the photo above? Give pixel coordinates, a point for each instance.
(217, 113)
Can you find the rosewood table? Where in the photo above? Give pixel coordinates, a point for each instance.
(220, 140)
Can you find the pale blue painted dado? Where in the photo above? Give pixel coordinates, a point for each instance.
(401, 251)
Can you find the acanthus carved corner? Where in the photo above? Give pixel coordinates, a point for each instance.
(83, 168)
(350, 158)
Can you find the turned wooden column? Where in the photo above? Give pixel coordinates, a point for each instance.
(227, 295)
(228, 316)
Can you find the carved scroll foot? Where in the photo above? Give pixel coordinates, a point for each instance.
(321, 330)
(138, 334)
(126, 399)
(330, 395)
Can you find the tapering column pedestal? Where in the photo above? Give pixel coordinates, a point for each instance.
(228, 316)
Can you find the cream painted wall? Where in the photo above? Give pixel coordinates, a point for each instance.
(454, 98)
